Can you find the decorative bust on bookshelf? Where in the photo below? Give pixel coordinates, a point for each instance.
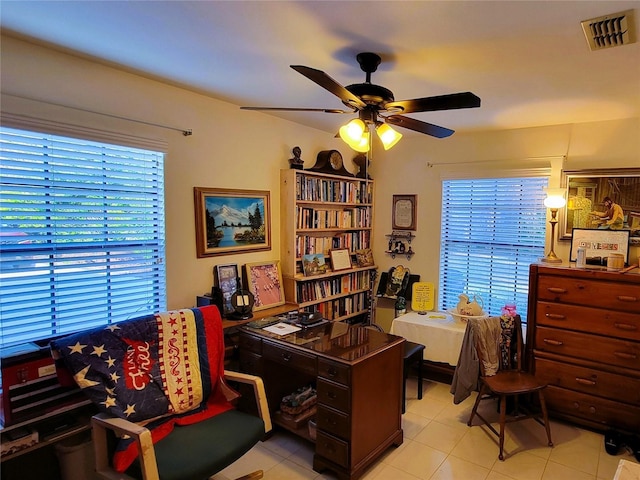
(296, 162)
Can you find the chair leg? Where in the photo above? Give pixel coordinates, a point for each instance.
(503, 418)
(420, 377)
(475, 405)
(545, 417)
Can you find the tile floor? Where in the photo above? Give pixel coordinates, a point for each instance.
(438, 445)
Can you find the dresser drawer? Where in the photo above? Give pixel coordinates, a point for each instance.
(250, 343)
(605, 412)
(332, 449)
(286, 356)
(336, 372)
(250, 362)
(588, 380)
(593, 293)
(607, 350)
(333, 395)
(590, 320)
(333, 421)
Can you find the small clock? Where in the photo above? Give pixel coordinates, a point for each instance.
(330, 161)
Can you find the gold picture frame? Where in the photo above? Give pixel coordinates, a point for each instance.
(231, 221)
(584, 193)
(404, 215)
(264, 281)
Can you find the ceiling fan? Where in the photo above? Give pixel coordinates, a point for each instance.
(377, 107)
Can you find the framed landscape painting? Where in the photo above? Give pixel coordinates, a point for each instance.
(231, 221)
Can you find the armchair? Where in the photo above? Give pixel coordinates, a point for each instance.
(160, 383)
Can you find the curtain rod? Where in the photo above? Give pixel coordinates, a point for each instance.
(545, 157)
(186, 133)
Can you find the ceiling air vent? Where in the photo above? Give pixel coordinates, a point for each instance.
(610, 30)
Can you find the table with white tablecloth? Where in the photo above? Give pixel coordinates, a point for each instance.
(437, 331)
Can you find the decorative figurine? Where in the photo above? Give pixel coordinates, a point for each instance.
(296, 162)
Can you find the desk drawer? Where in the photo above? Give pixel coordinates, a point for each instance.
(594, 409)
(332, 449)
(333, 395)
(590, 320)
(250, 343)
(250, 363)
(611, 351)
(594, 293)
(334, 371)
(587, 380)
(286, 356)
(332, 421)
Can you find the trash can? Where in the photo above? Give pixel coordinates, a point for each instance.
(76, 458)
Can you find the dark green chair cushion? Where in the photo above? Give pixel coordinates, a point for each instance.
(195, 452)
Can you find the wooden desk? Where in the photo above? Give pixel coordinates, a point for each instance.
(358, 376)
(437, 331)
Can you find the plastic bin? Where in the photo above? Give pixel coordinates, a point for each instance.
(76, 458)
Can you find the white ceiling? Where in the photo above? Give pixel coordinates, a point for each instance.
(527, 60)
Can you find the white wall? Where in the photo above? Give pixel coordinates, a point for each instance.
(221, 154)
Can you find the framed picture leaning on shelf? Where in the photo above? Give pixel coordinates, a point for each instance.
(264, 281)
(227, 278)
(340, 259)
(231, 221)
(314, 264)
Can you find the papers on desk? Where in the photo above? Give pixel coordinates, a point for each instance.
(282, 328)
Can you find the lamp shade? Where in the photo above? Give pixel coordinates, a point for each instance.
(362, 145)
(352, 132)
(388, 136)
(554, 201)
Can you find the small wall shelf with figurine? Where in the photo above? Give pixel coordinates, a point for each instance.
(400, 244)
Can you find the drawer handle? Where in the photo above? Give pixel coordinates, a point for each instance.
(555, 316)
(332, 372)
(625, 355)
(627, 298)
(585, 381)
(553, 342)
(331, 395)
(557, 290)
(329, 447)
(625, 326)
(286, 357)
(592, 409)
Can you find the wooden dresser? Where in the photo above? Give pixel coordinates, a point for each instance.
(583, 339)
(358, 376)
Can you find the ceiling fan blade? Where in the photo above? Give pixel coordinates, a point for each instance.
(328, 83)
(419, 126)
(288, 109)
(429, 104)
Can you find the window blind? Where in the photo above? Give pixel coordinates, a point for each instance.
(492, 230)
(82, 240)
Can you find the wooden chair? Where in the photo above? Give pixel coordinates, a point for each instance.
(510, 381)
(202, 440)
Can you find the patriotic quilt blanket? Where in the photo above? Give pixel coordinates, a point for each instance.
(157, 370)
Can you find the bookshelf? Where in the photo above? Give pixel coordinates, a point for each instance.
(321, 212)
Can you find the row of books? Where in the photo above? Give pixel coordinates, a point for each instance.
(327, 287)
(307, 244)
(343, 306)
(348, 218)
(314, 189)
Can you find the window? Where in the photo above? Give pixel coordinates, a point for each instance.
(492, 230)
(81, 234)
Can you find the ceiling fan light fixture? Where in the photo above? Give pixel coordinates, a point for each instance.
(363, 145)
(388, 136)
